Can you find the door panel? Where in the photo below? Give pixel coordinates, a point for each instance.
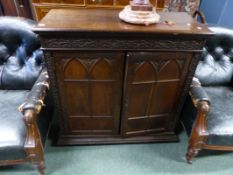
(164, 94)
(138, 101)
(77, 99)
(102, 95)
(153, 86)
(90, 87)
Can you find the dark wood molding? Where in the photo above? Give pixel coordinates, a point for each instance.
(9, 8)
(76, 140)
(16, 8)
(199, 133)
(218, 147)
(1, 9)
(54, 88)
(187, 83)
(72, 43)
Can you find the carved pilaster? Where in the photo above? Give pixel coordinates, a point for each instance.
(187, 83)
(53, 84)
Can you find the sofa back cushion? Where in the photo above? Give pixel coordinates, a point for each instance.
(216, 65)
(20, 56)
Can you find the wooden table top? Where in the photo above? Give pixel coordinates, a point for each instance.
(107, 20)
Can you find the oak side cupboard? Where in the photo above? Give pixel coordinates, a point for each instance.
(115, 82)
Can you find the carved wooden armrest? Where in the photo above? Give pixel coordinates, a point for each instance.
(30, 108)
(198, 94)
(35, 98)
(202, 102)
(199, 131)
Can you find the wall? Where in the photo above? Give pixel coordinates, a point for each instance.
(218, 12)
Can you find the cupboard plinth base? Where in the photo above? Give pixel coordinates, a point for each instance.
(75, 140)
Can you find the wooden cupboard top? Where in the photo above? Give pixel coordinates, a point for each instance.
(107, 20)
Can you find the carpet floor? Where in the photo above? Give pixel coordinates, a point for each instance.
(128, 159)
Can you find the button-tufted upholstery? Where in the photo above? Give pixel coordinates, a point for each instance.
(23, 85)
(20, 56)
(209, 119)
(216, 67)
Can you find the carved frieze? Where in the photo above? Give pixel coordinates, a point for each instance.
(120, 44)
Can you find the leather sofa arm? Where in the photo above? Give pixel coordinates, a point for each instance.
(34, 100)
(199, 131)
(197, 93)
(30, 108)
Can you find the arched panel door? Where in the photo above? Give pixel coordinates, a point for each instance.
(90, 87)
(154, 81)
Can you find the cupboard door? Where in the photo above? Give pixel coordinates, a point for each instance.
(154, 83)
(90, 90)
